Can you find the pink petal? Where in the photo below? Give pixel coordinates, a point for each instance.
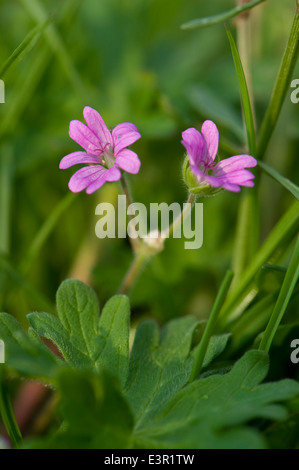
(96, 123)
(237, 162)
(85, 177)
(195, 145)
(81, 134)
(77, 157)
(121, 129)
(211, 135)
(240, 175)
(128, 160)
(232, 187)
(125, 140)
(113, 174)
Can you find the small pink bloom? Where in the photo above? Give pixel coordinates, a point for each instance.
(202, 149)
(106, 152)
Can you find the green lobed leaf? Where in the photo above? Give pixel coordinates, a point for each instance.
(213, 412)
(84, 339)
(26, 354)
(96, 416)
(161, 363)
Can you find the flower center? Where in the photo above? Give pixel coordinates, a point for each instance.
(108, 159)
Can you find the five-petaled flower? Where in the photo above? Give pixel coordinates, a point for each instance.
(106, 152)
(202, 149)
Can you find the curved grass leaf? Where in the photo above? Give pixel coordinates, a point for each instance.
(221, 17)
(248, 115)
(281, 87)
(284, 231)
(25, 45)
(290, 280)
(285, 182)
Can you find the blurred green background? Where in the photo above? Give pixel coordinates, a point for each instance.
(130, 60)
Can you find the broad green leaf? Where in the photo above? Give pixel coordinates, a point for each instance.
(95, 413)
(285, 182)
(214, 412)
(160, 364)
(48, 326)
(26, 354)
(84, 339)
(221, 17)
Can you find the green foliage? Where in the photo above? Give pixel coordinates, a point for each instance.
(96, 416)
(122, 385)
(211, 413)
(26, 353)
(83, 338)
(110, 399)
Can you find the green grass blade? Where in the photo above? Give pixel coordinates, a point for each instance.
(24, 46)
(7, 414)
(36, 10)
(209, 329)
(221, 17)
(18, 280)
(281, 87)
(248, 224)
(247, 109)
(283, 232)
(285, 182)
(46, 229)
(6, 169)
(290, 280)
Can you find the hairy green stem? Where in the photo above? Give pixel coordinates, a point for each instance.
(185, 212)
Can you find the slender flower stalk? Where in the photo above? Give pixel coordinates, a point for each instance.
(185, 212)
(132, 274)
(147, 247)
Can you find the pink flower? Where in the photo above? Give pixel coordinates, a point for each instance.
(104, 149)
(202, 148)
